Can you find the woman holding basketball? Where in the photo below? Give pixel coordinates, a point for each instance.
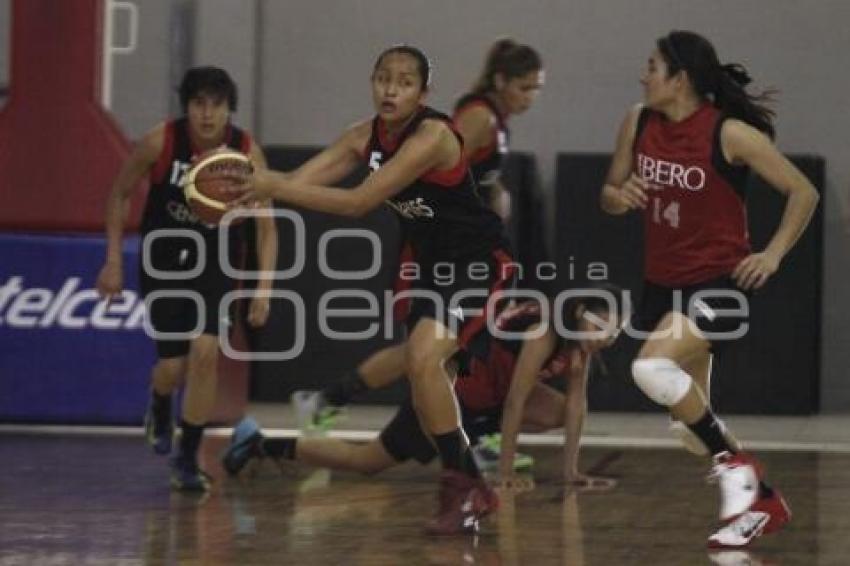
(682, 158)
(208, 97)
(419, 169)
(508, 85)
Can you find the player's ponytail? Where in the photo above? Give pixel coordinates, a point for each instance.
(724, 85)
(508, 58)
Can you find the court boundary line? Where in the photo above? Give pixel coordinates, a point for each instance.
(545, 439)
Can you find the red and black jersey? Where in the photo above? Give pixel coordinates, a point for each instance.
(695, 223)
(444, 220)
(166, 206)
(486, 379)
(486, 162)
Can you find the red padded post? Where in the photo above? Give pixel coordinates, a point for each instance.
(59, 149)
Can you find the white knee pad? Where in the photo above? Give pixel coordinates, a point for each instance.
(661, 379)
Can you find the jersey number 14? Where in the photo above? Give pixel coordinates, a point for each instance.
(669, 213)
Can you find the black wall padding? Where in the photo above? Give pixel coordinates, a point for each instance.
(322, 359)
(775, 368)
(527, 224)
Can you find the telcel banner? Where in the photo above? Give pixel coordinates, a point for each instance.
(65, 355)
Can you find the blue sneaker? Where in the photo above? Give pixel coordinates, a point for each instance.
(159, 430)
(187, 476)
(244, 445)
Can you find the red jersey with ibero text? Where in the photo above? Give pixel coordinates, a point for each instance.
(695, 223)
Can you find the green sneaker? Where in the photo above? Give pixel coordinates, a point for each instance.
(314, 415)
(488, 451)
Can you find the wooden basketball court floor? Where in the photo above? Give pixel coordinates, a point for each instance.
(98, 497)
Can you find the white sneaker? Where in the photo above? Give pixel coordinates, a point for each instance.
(738, 475)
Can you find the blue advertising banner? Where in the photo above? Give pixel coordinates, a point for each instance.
(65, 355)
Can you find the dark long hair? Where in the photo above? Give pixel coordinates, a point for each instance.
(508, 58)
(598, 298)
(723, 84)
(423, 64)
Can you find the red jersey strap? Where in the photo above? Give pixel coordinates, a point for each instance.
(449, 177)
(247, 142)
(163, 162)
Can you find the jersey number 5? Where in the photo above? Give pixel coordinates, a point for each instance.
(670, 213)
(375, 160)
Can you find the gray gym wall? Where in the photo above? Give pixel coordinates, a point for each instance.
(303, 70)
(318, 55)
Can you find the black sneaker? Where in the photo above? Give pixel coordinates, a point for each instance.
(187, 476)
(159, 430)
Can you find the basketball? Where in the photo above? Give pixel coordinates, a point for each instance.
(208, 181)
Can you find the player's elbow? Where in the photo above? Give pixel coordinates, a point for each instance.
(812, 195)
(358, 206)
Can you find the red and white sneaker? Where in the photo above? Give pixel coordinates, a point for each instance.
(767, 515)
(739, 476)
(464, 501)
(745, 513)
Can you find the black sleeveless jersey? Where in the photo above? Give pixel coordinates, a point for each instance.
(443, 217)
(486, 163)
(166, 206)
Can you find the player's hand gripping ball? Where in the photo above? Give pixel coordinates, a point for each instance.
(207, 184)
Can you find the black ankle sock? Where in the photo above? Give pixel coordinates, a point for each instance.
(278, 448)
(709, 430)
(190, 441)
(341, 392)
(455, 453)
(161, 405)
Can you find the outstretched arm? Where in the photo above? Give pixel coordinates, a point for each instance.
(575, 410)
(531, 358)
(432, 147)
(336, 161)
(258, 311)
